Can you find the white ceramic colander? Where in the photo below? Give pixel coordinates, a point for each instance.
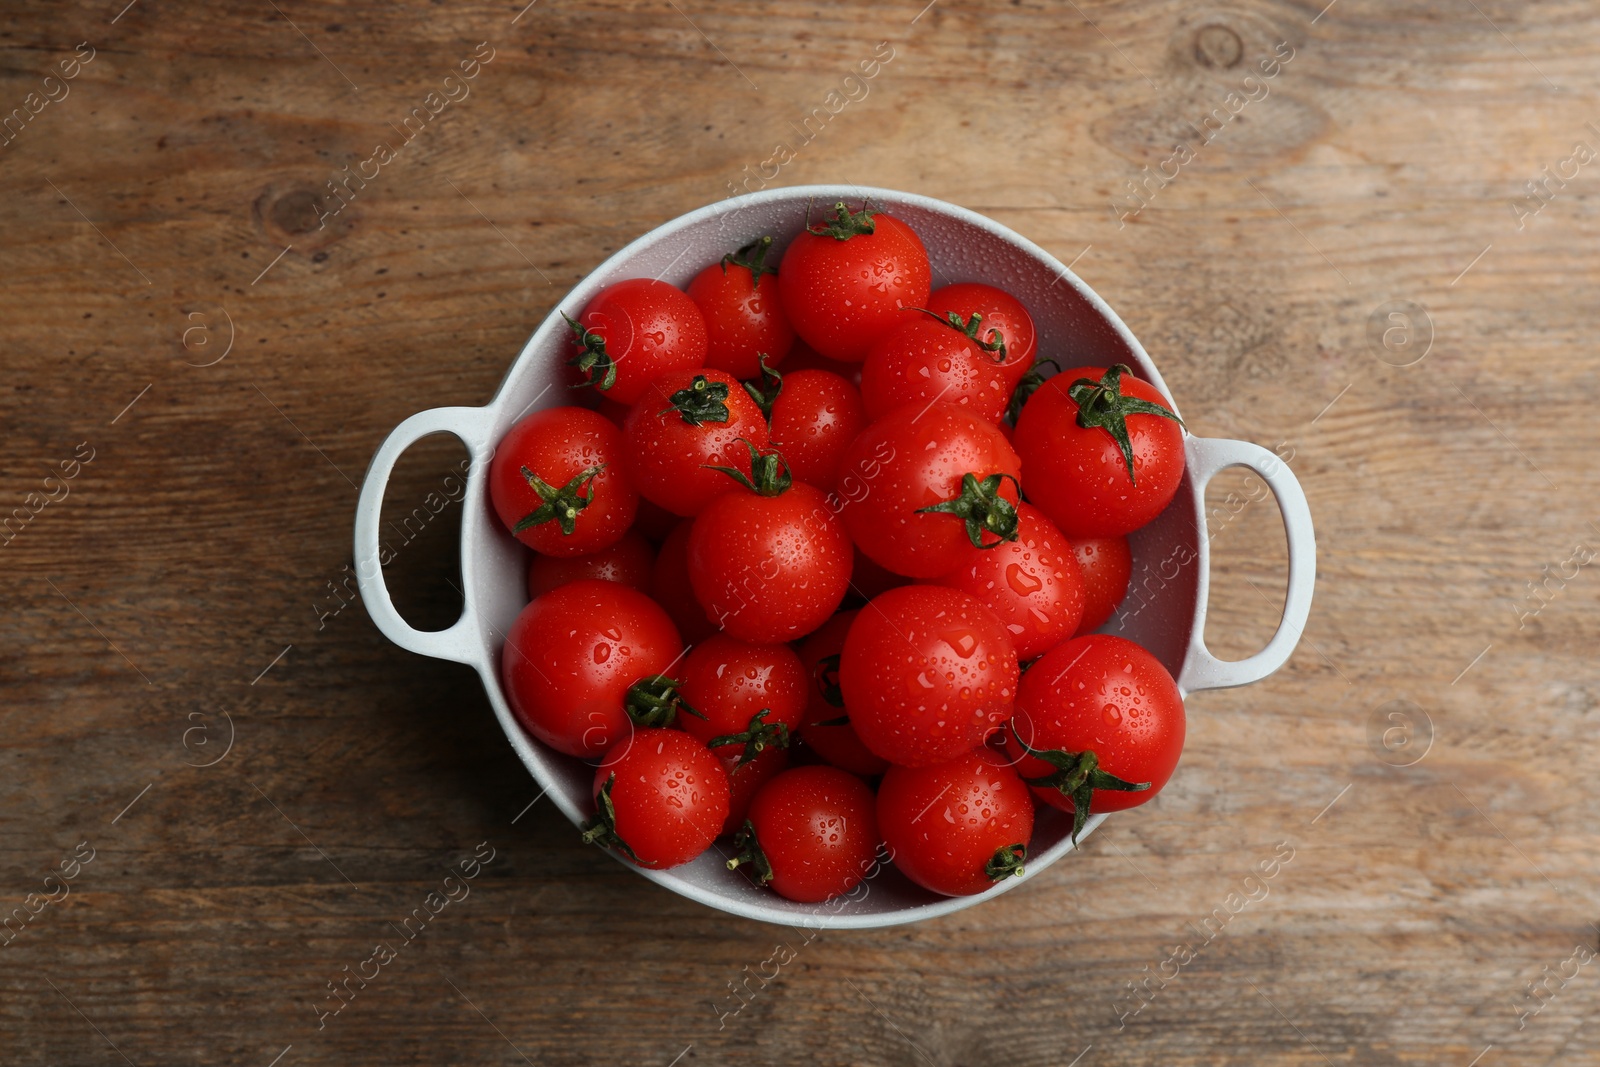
(1165, 614)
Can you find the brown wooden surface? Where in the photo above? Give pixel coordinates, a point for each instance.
(183, 582)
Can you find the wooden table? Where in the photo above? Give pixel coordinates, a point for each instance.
(1347, 262)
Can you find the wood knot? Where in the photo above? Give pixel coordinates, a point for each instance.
(295, 212)
(1217, 47)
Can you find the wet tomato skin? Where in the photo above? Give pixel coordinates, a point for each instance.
(1032, 584)
(927, 672)
(816, 416)
(557, 445)
(649, 327)
(744, 319)
(669, 459)
(1078, 475)
(571, 656)
(911, 458)
(842, 295)
(1104, 694)
(728, 681)
(945, 823)
(1106, 564)
(818, 828)
(670, 795)
(1001, 312)
(770, 568)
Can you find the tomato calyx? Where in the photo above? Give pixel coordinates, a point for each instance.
(597, 367)
(1101, 404)
(602, 828)
(753, 258)
(655, 701)
(702, 400)
(982, 508)
(1077, 775)
(769, 471)
(558, 505)
(1030, 383)
(1006, 862)
(845, 223)
(995, 345)
(765, 391)
(750, 855)
(755, 738)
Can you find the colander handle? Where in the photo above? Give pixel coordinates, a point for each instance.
(1205, 457)
(459, 642)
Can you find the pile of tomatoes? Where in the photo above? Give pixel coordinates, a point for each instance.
(819, 558)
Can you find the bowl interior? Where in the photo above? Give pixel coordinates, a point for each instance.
(1075, 327)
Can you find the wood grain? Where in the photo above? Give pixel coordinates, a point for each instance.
(186, 581)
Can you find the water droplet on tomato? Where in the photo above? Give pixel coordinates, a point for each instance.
(962, 641)
(1112, 714)
(1021, 581)
(602, 652)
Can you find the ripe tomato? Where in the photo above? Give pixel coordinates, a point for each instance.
(957, 828)
(686, 423)
(910, 503)
(1106, 565)
(811, 834)
(813, 420)
(662, 799)
(827, 726)
(629, 561)
(1001, 311)
(744, 315)
(1032, 584)
(572, 655)
(745, 780)
(632, 331)
(1108, 721)
(748, 697)
(670, 586)
(769, 561)
(1099, 461)
(845, 281)
(928, 359)
(558, 484)
(926, 672)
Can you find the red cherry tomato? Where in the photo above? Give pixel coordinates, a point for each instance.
(1079, 475)
(772, 562)
(730, 683)
(957, 828)
(670, 586)
(926, 672)
(911, 460)
(1106, 564)
(745, 780)
(575, 497)
(632, 331)
(1032, 584)
(1001, 311)
(686, 423)
(630, 561)
(662, 799)
(744, 315)
(571, 657)
(845, 281)
(930, 359)
(1102, 707)
(834, 740)
(814, 419)
(812, 834)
